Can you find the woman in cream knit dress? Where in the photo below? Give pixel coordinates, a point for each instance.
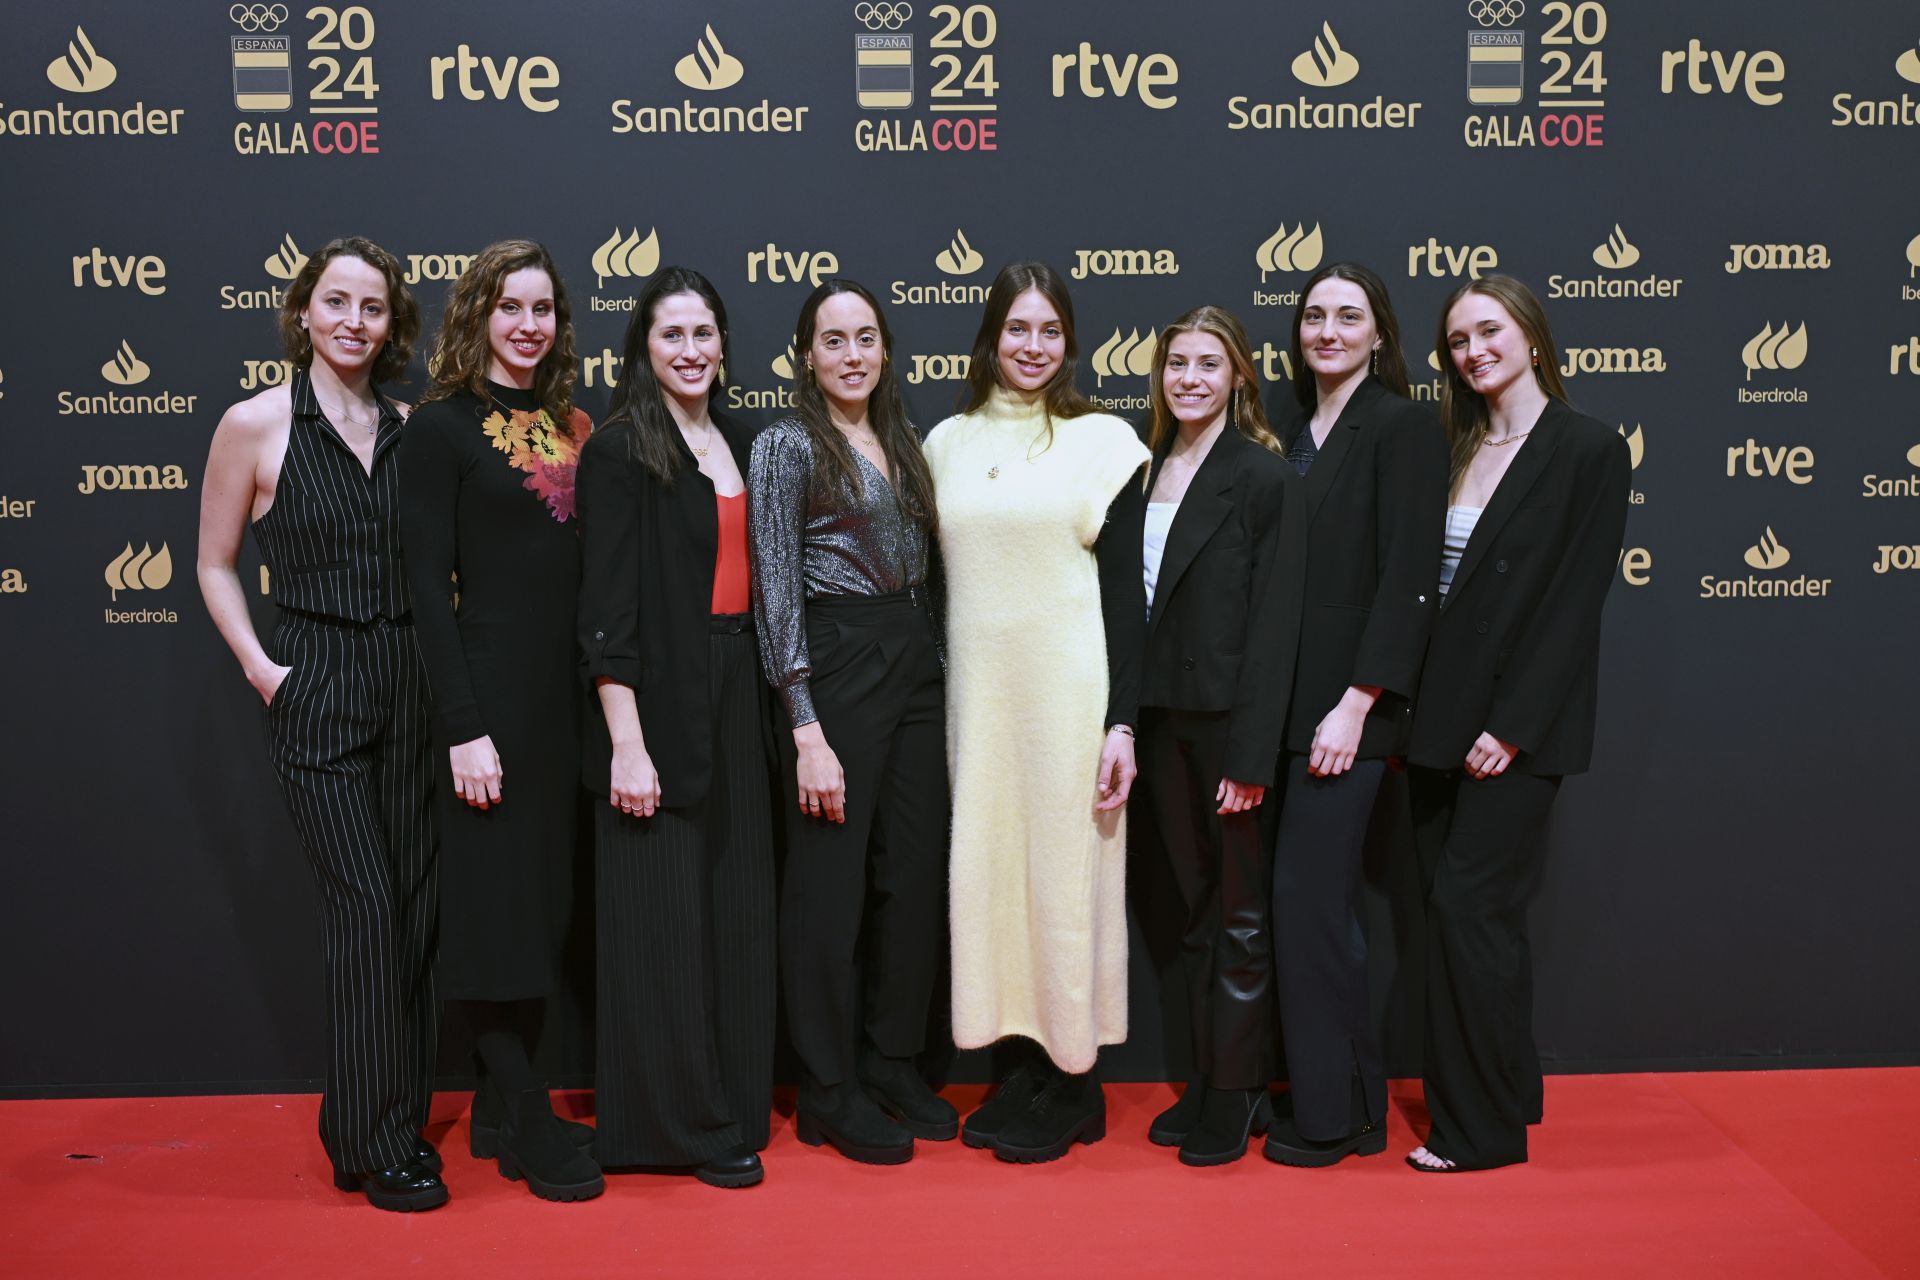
(1037, 494)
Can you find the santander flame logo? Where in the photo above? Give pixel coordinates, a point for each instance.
(959, 258)
(1769, 552)
(125, 369)
(629, 257)
(1284, 250)
(709, 66)
(285, 262)
(144, 570)
(1908, 64)
(1636, 444)
(1326, 64)
(81, 69)
(1786, 349)
(1118, 357)
(783, 364)
(1618, 253)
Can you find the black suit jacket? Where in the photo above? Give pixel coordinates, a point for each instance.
(1229, 583)
(646, 593)
(1376, 501)
(1516, 649)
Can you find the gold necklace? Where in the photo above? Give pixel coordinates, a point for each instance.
(700, 450)
(1495, 444)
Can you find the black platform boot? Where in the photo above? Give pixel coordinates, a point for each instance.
(483, 1120)
(405, 1188)
(1171, 1127)
(534, 1146)
(1008, 1100)
(896, 1084)
(1065, 1109)
(1228, 1118)
(852, 1122)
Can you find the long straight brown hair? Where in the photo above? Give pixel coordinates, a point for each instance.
(833, 464)
(1063, 398)
(1249, 419)
(1390, 365)
(1463, 411)
(461, 353)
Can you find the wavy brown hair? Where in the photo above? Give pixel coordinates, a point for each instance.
(1249, 419)
(403, 325)
(461, 350)
(1063, 398)
(833, 465)
(1463, 411)
(1390, 367)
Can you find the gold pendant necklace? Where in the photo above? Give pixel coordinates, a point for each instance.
(701, 450)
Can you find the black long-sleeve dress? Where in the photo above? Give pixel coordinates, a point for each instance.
(493, 556)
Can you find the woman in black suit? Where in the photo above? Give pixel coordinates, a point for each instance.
(1213, 696)
(1374, 471)
(1536, 511)
(684, 847)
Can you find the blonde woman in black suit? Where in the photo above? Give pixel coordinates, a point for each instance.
(1536, 510)
(1374, 471)
(1219, 526)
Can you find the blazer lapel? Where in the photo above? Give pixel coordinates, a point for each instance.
(1526, 468)
(1207, 502)
(1346, 429)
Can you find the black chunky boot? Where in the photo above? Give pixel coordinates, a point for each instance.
(533, 1146)
(405, 1188)
(1008, 1100)
(1228, 1118)
(845, 1116)
(483, 1121)
(1171, 1127)
(1065, 1109)
(896, 1084)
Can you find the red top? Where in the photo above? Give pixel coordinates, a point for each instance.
(732, 583)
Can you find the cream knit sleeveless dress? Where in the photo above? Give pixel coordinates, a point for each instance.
(1038, 879)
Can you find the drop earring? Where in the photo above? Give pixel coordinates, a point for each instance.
(1376, 361)
(1536, 357)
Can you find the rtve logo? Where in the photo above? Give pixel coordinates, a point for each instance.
(1768, 553)
(1618, 253)
(1326, 65)
(1910, 352)
(709, 66)
(499, 80)
(1786, 349)
(1284, 250)
(103, 270)
(782, 267)
(1123, 262)
(961, 259)
(1119, 357)
(1740, 71)
(1795, 462)
(81, 69)
(1445, 260)
(126, 476)
(143, 570)
(1098, 72)
(125, 369)
(628, 257)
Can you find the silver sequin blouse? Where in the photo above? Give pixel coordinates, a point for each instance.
(860, 544)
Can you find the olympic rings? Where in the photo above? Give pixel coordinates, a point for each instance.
(1496, 12)
(258, 17)
(876, 16)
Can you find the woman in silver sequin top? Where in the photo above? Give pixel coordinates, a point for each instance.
(841, 509)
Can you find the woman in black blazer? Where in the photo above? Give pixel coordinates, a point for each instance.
(684, 847)
(1215, 552)
(1374, 472)
(1537, 508)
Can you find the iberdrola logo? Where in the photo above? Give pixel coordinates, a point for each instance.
(629, 257)
(709, 66)
(1326, 64)
(1284, 250)
(81, 69)
(959, 258)
(142, 570)
(1768, 349)
(1118, 357)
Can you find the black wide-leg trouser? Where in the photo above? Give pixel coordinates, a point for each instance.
(863, 904)
(348, 736)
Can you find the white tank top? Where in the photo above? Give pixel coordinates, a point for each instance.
(1460, 522)
(1153, 545)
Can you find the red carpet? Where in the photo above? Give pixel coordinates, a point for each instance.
(1779, 1173)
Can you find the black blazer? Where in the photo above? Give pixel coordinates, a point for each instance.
(1229, 583)
(1376, 501)
(1516, 648)
(646, 592)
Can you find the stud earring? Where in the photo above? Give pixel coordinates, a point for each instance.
(1536, 357)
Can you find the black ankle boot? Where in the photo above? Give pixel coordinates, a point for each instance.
(1171, 1127)
(896, 1084)
(1065, 1109)
(845, 1116)
(483, 1120)
(1009, 1099)
(737, 1166)
(405, 1188)
(1228, 1118)
(534, 1146)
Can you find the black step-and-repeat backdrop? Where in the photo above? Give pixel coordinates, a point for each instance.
(1717, 203)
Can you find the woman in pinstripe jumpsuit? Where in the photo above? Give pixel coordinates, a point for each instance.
(314, 465)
